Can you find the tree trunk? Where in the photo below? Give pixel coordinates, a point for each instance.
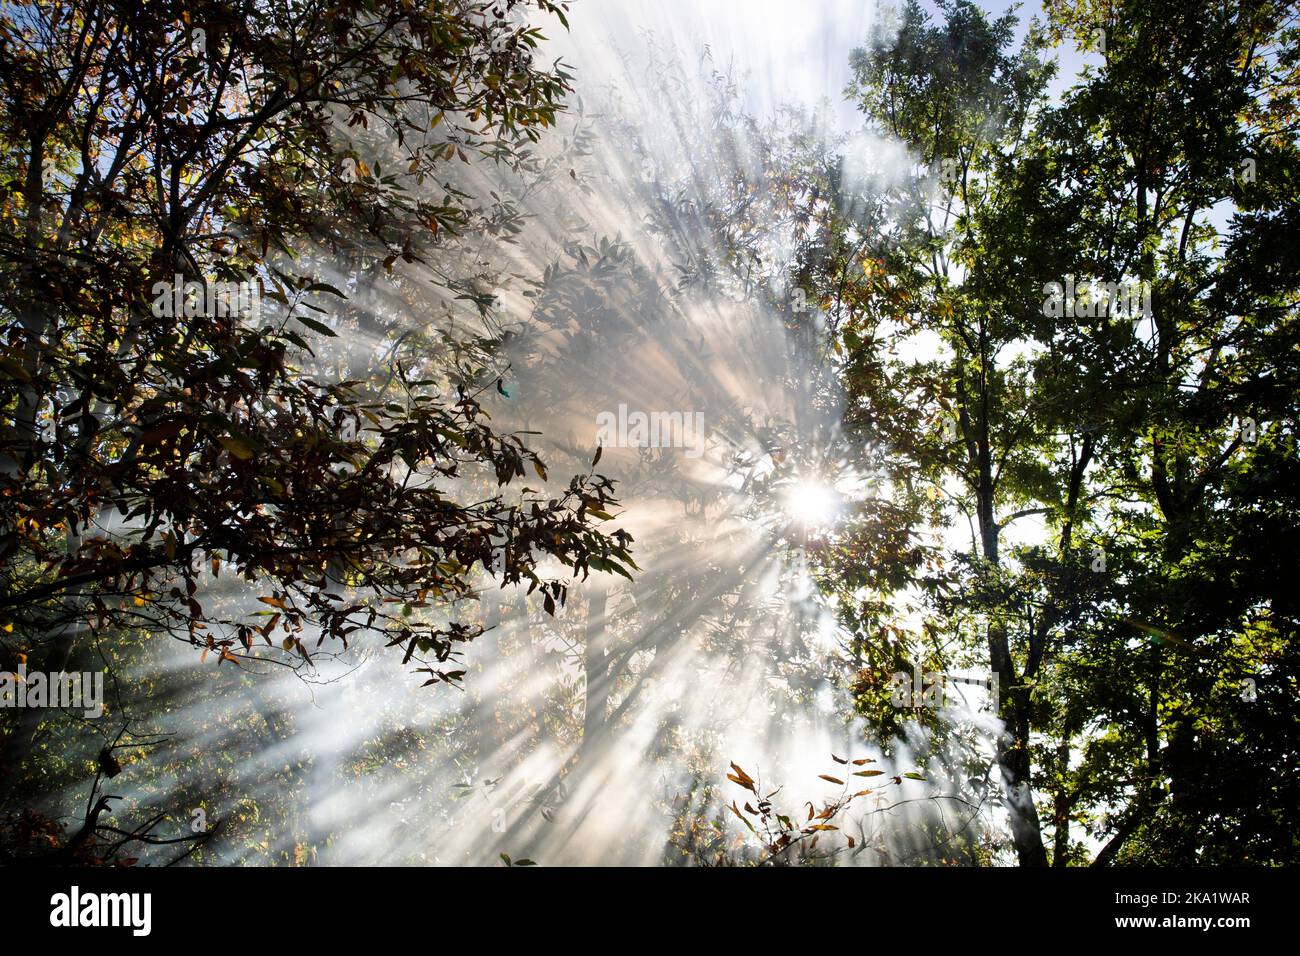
(1061, 808)
(1012, 751)
(1013, 754)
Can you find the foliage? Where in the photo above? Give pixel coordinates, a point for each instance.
(171, 165)
(1126, 625)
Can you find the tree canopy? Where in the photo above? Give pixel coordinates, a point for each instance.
(306, 311)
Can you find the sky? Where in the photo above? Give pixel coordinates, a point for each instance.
(784, 51)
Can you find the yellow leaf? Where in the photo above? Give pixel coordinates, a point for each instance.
(240, 449)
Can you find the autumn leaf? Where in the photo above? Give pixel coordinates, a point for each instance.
(742, 778)
(236, 446)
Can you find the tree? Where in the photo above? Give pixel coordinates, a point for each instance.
(1121, 426)
(175, 173)
(956, 419)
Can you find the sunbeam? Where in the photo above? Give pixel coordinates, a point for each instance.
(646, 433)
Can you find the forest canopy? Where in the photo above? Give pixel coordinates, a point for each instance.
(435, 452)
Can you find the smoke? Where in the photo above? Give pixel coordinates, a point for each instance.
(601, 735)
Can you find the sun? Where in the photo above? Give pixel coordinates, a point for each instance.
(812, 503)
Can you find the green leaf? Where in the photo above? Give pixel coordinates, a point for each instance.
(315, 326)
(325, 287)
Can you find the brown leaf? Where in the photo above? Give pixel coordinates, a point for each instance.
(742, 778)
